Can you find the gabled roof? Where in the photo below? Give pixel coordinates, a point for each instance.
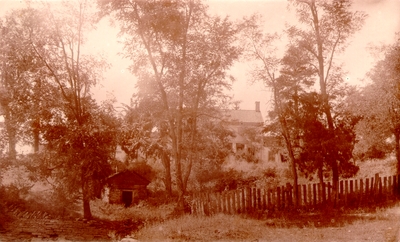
(244, 116)
(127, 180)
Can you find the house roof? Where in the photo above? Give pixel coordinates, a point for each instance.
(127, 180)
(244, 116)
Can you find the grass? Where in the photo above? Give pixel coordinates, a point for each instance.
(381, 225)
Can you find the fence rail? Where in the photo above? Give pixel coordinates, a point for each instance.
(351, 193)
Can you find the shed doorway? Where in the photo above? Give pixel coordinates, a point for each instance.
(127, 198)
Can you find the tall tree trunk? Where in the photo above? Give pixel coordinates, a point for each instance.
(323, 89)
(179, 127)
(36, 133)
(288, 139)
(397, 147)
(87, 213)
(12, 143)
(36, 123)
(167, 166)
(11, 133)
(321, 177)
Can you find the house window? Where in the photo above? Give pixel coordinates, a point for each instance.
(271, 155)
(283, 158)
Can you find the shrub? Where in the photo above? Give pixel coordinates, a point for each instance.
(143, 211)
(4, 216)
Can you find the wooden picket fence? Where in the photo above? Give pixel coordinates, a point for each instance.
(351, 193)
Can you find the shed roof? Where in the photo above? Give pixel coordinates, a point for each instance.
(127, 180)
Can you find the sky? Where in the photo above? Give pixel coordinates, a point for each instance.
(382, 23)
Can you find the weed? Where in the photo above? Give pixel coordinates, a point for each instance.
(143, 212)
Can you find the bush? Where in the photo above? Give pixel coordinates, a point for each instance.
(143, 211)
(374, 153)
(234, 179)
(4, 216)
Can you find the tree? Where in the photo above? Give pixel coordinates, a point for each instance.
(326, 28)
(183, 52)
(20, 76)
(378, 103)
(285, 88)
(146, 132)
(77, 131)
(212, 148)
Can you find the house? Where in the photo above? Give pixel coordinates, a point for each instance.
(240, 120)
(247, 123)
(127, 187)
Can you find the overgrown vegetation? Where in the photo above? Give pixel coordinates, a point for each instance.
(174, 132)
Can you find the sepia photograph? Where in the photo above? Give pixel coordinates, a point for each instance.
(200, 120)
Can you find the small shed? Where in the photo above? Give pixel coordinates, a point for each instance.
(127, 187)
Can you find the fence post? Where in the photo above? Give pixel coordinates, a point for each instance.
(254, 199)
(329, 188)
(361, 191)
(346, 192)
(372, 190)
(278, 197)
(310, 197)
(222, 202)
(264, 201)
(341, 192)
(367, 190)
(207, 201)
(314, 194)
(380, 188)
(202, 206)
(259, 204)
(319, 195)
(398, 185)
(243, 198)
(305, 195)
(376, 187)
(234, 205)
(270, 198)
(195, 202)
(385, 188)
(248, 199)
(283, 197)
(229, 200)
(356, 191)
(290, 193)
(299, 197)
(396, 180)
(351, 192)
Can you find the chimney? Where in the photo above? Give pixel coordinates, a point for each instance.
(257, 106)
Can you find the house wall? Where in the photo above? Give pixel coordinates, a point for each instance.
(264, 155)
(115, 194)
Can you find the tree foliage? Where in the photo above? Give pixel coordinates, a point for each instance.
(378, 104)
(324, 32)
(182, 54)
(47, 78)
